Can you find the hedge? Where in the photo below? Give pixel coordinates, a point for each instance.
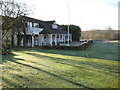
(80, 47)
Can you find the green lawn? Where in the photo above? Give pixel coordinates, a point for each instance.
(96, 67)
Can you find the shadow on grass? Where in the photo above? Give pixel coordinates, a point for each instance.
(102, 69)
(69, 81)
(61, 61)
(106, 51)
(11, 57)
(96, 65)
(99, 51)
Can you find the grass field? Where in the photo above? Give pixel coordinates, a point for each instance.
(96, 67)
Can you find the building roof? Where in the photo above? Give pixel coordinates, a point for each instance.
(47, 26)
(50, 30)
(49, 22)
(29, 19)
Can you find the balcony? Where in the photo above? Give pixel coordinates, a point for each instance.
(34, 30)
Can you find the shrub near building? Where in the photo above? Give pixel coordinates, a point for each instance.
(6, 47)
(74, 30)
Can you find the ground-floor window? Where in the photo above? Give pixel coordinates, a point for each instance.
(36, 40)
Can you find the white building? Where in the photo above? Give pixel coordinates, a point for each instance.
(39, 33)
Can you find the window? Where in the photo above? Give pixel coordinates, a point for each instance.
(36, 25)
(36, 40)
(30, 24)
(54, 26)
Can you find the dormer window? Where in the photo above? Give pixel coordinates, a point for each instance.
(55, 23)
(54, 26)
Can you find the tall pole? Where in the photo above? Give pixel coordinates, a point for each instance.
(68, 22)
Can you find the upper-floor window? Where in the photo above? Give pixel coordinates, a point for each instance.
(55, 23)
(36, 25)
(54, 26)
(29, 24)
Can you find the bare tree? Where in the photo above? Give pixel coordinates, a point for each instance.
(96, 34)
(111, 33)
(12, 13)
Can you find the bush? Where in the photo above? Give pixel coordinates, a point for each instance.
(81, 47)
(6, 47)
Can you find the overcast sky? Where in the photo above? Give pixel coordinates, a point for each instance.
(88, 14)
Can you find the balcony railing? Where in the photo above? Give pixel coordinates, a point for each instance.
(34, 30)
